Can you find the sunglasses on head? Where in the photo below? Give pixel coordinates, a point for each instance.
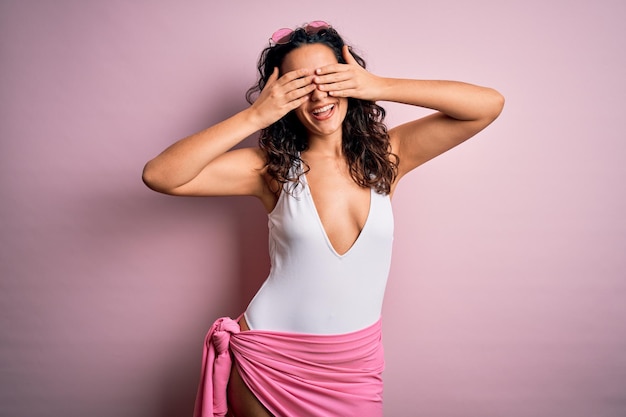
(284, 35)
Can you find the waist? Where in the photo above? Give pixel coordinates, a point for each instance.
(287, 304)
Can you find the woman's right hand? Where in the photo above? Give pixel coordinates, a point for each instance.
(281, 95)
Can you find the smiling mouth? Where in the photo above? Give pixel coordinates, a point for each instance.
(323, 112)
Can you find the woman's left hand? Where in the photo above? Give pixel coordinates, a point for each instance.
(348, 80)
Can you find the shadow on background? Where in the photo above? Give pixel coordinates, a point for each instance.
(248, 220)
(126, 221)
(115, 223)
(180, 378)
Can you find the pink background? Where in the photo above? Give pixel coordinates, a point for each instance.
(506, 296)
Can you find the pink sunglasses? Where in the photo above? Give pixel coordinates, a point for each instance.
(284, 35)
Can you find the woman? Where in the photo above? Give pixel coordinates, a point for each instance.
(309, 342)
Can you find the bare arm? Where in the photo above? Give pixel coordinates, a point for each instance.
(202, 164)
(176, 168)
(461, 109)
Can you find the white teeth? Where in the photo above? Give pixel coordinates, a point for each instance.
(323, 109)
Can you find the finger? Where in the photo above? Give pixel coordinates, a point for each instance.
(347, 55)
(332, 78)
(272, 78)
(294, 104)
(294, 75)
(300, 92)
(330, 81)
(273, 75)
(343, 85)
(332, 68)
(342, 93)
(296, 98)
(298, 83)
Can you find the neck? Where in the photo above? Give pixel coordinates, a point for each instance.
(327, 146)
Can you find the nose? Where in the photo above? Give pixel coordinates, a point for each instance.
(318, 95)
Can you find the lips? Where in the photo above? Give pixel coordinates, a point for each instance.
(324, 112)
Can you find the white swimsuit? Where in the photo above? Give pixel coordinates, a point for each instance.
(311, 288)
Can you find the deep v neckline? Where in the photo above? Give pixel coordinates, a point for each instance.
(309, 195)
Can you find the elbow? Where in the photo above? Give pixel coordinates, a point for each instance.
(150, 177)
(495, 104)
(157, 178)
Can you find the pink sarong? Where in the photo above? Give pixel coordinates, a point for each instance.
(294, 374)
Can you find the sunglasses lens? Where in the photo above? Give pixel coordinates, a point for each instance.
(316, 26)
(282, 36)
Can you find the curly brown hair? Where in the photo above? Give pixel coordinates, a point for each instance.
(365, 139)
